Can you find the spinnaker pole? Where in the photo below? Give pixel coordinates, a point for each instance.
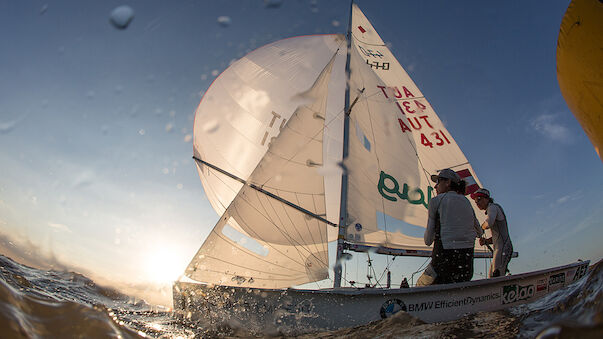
(344, 177)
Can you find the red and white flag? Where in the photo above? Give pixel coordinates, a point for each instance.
(466, 175)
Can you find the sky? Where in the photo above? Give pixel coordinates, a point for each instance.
(96, 173)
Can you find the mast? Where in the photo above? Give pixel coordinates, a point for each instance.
(344, 177)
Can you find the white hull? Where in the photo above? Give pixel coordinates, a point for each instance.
(297, 311)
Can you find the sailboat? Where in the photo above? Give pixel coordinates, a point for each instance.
(263, 140)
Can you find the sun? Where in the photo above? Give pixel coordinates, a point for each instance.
(164, 265)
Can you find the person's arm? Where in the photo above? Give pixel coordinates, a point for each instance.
(490, 216)
(432, 211)
(429, 235)
(484, 241)
(478, 230)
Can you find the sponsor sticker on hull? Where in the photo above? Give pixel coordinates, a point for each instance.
(513, 293)
(391, 307)
(556, 281)
(541, 286)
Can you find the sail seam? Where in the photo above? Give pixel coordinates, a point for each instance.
(291, 240)
(305, 222)
(283, 232)
(253, 269)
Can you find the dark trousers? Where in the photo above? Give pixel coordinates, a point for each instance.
(452, 265)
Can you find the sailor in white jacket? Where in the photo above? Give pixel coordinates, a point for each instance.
(452, 228)
(496, 221)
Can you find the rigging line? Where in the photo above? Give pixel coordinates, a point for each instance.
(322, 240)
(298, 233)
(372, 268)
(284, 232)
(413, 145)
(421, 268)
(194, 260)
(326, 124)
(251, 230)
(254, 269)
(322, 129)
(320, 101)
(259, 189)
(264, 260)
(287, 236)
(225, 184)
(311, 253)
(309, 139)
(291, 239)
(244, 276)
(385, 269)
(307, 225)
(349, 111)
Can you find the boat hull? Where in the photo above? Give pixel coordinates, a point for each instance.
(295, 311)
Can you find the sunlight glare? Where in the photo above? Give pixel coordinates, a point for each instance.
(163, 264)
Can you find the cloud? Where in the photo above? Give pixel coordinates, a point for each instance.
(547, 125)
(6, 127)
(567, 198)
(84, 179)
(59, 227)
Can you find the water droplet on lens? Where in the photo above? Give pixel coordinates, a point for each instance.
(211, 126)
(121, 17)
(273, 3)
(224, 21)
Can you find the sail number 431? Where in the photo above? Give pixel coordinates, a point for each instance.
(439, 136)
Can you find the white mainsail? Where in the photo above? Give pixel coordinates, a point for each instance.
(269, 236)
(396, 142)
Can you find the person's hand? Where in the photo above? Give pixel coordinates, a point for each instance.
(482, 241)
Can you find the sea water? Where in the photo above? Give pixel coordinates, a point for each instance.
(38, 303)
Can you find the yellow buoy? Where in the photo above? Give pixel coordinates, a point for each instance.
(580, 65)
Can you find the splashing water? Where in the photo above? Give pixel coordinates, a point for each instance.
(38, 303)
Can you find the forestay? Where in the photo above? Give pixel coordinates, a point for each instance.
(264, 242)
(396, 142)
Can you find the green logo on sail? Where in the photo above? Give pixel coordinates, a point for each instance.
(391, 191)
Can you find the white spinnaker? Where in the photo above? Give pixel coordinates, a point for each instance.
(278, 245)
(247, 105)
(396, 142)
